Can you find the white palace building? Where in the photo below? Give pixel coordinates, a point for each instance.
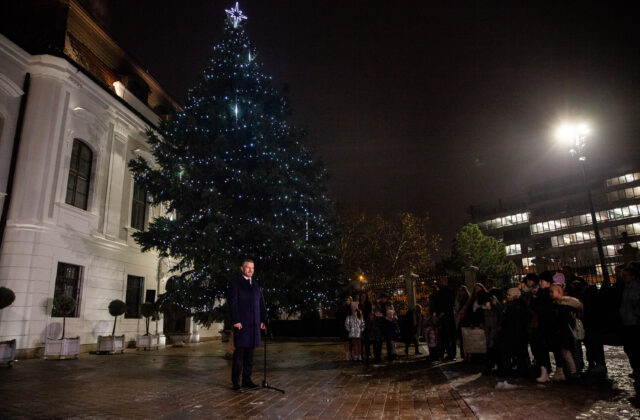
(74, 108)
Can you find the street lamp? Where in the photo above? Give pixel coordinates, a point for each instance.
(577, 135)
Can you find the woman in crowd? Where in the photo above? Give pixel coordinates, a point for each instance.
(365, 307)
(565, 313)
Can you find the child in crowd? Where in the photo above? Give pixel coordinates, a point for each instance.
(355, 326)
(430, 332)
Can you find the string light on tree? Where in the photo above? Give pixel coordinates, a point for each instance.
(238, 181)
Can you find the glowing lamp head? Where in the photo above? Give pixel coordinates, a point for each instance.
(569, 132)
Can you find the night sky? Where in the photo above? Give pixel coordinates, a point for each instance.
(421, 106)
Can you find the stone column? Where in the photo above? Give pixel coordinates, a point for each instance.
(471, 274)
(410, 288)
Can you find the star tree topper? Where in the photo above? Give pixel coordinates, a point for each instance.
(235, 15)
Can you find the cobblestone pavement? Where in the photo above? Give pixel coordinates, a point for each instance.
(493, 397)
(193, 382)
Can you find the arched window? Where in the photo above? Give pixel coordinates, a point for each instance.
(79, 175)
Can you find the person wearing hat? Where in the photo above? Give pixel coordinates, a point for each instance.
(529, 288)
(512, 339)
(542, 323)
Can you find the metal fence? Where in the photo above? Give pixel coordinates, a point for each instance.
(397, 292)
(588, 269)
(426, 285)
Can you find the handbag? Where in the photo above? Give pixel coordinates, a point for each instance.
(578, 328)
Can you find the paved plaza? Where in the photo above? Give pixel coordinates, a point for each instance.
(193, 382)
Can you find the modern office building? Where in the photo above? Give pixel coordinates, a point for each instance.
(555, 217)
(74, 108)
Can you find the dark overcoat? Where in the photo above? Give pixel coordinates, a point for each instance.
(247, 307)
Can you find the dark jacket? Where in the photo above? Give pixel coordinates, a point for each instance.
(513, 333)
(246, 306)
(442, 302)
(564, 313)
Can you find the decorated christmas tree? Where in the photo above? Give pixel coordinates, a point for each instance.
(237, 181)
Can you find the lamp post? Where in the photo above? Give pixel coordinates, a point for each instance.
(577, 135)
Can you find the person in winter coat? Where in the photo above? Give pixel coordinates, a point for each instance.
(412, 328)
(442, 307)
(473, 315)
(389, 327)
(492, 311)
(354, 324)
(366, 308)
(541, 324)
(248, 315)
(374, 338)
(529, 288)
(565, 312)
(512, 338)
(630, 314)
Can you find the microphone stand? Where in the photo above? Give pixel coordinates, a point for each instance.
(265, 384)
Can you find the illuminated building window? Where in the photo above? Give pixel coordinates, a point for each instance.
(624, 179)
(499, 222)
(626, 193)
(513, 249)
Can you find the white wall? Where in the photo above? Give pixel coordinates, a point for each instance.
(42, 230)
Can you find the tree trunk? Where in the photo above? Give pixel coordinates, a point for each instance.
(64, 321)
(147, 322)
(115, 319)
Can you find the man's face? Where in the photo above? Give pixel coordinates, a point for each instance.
(247, 269)
(626, 276)
(567, 273)
(443, 282)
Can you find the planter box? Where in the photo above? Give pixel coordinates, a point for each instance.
(8, 352)
(110, 344)
(148, 342)
(62, 348)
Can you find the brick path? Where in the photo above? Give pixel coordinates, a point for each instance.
(193, 382)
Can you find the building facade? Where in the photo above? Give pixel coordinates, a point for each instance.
(73, 112)
(554, 220)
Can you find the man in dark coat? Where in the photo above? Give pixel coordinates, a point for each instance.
(442, 307)
(248, 316)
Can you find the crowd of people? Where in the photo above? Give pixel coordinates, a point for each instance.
(553, 312)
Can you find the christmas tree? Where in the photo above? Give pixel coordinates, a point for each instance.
(237, 182)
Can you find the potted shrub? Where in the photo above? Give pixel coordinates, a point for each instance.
(63, 347)
(112, 343)
(7, 348)
(148, 341)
